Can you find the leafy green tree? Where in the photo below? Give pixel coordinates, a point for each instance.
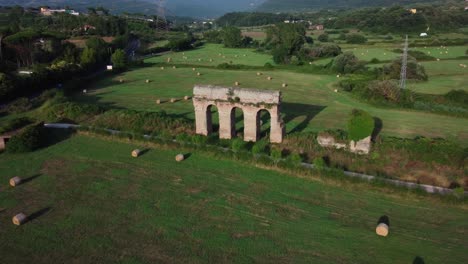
(326, 50)
(6, 86)
(346, 63)
(88, 58)
(414, 71)
(356, 39)
(119, 59)
(232, 37)
(286, 39)
(100, 48)
(360, 125)
(323, 38)
(213, 36)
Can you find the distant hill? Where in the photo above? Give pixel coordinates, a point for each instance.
(303, 5)
(192, 8)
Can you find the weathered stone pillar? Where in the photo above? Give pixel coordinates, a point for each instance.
(251, 122)
(277, 126)
(225, 121)
(203, 122)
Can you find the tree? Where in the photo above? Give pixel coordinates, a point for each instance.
(119, 59)
(100, 48)
(232, 37)
(287, 40)
(346, 63)
(88, 58)
(6, 86)
(326, 50)
(323, 37)
(213, 36)
(360, 125)
(414, 70)
(356, 39)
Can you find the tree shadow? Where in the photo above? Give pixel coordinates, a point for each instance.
(39, 213)
(384, 220)
(418, 260)
(377, 128)
(26, 180)
(293, 110)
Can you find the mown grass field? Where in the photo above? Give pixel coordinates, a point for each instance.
(92, 203)
(310, 103)
(215, 54)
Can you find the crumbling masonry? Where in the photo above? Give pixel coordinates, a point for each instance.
(250, 101)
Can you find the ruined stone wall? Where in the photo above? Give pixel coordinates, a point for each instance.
(250, 101)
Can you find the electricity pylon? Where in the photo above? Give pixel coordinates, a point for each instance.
(404, 65)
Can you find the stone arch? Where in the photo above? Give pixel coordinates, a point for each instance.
(212, 118)
(237, 121)
(252, 103)
(263, 123)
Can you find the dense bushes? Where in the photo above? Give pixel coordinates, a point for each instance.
(142, 122)
(326, 50)
(360, 125)
(346, 63)
(355, 39)
(30, 139)
(415, 71)
(14, 124)
(458, 96)
(70, 111)
(180, 44)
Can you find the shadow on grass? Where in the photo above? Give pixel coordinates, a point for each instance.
(418, 260)
(56, 136)
(39, 213)
(144, 151)
(187, 156)
(293, 110)
(26, 180)
(378, 127)
(384, 220)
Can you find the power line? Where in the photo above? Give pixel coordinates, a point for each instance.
(404, 65)
(161, 22)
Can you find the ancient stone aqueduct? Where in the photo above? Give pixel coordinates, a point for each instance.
(226, 100)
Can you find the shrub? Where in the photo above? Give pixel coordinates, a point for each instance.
(457, 96)
(346, 63)
(14, 124)
(414, 71)
(213, 36)
(360, 125)
(276, 154)
(180, 44)
(319, 163)
(326, 50)
(20, 105)
(295, 159)
(119, 59)
(260, 147)
(388, 90)
(238, 144)
(71, 111)
(28, 140)
(323, 37)
(356, 39)
(199, 140)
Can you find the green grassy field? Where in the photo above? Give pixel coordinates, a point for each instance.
(215, 54)
(310, 103)
(92, 203)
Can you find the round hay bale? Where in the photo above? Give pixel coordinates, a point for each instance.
(148, 81)
(438, 59)
(198, 74)
(382, 230)
(211, 60)
(162, 68)
(236, 83)
(136, 153)
(186, 98)
(336, 90)
(194, 69)
(180, 157)
(15, 181)
(310, 63)
(174, 67)
(284, 85)
(338, 76)
(158, 101)
(269, 78)
(199, 59)
(173, 100)
(85, 91)
(259, 73)
(19, 219)
(121, 80)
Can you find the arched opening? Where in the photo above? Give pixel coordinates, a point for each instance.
(263, 124)
(212, 119)
(237, 122)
